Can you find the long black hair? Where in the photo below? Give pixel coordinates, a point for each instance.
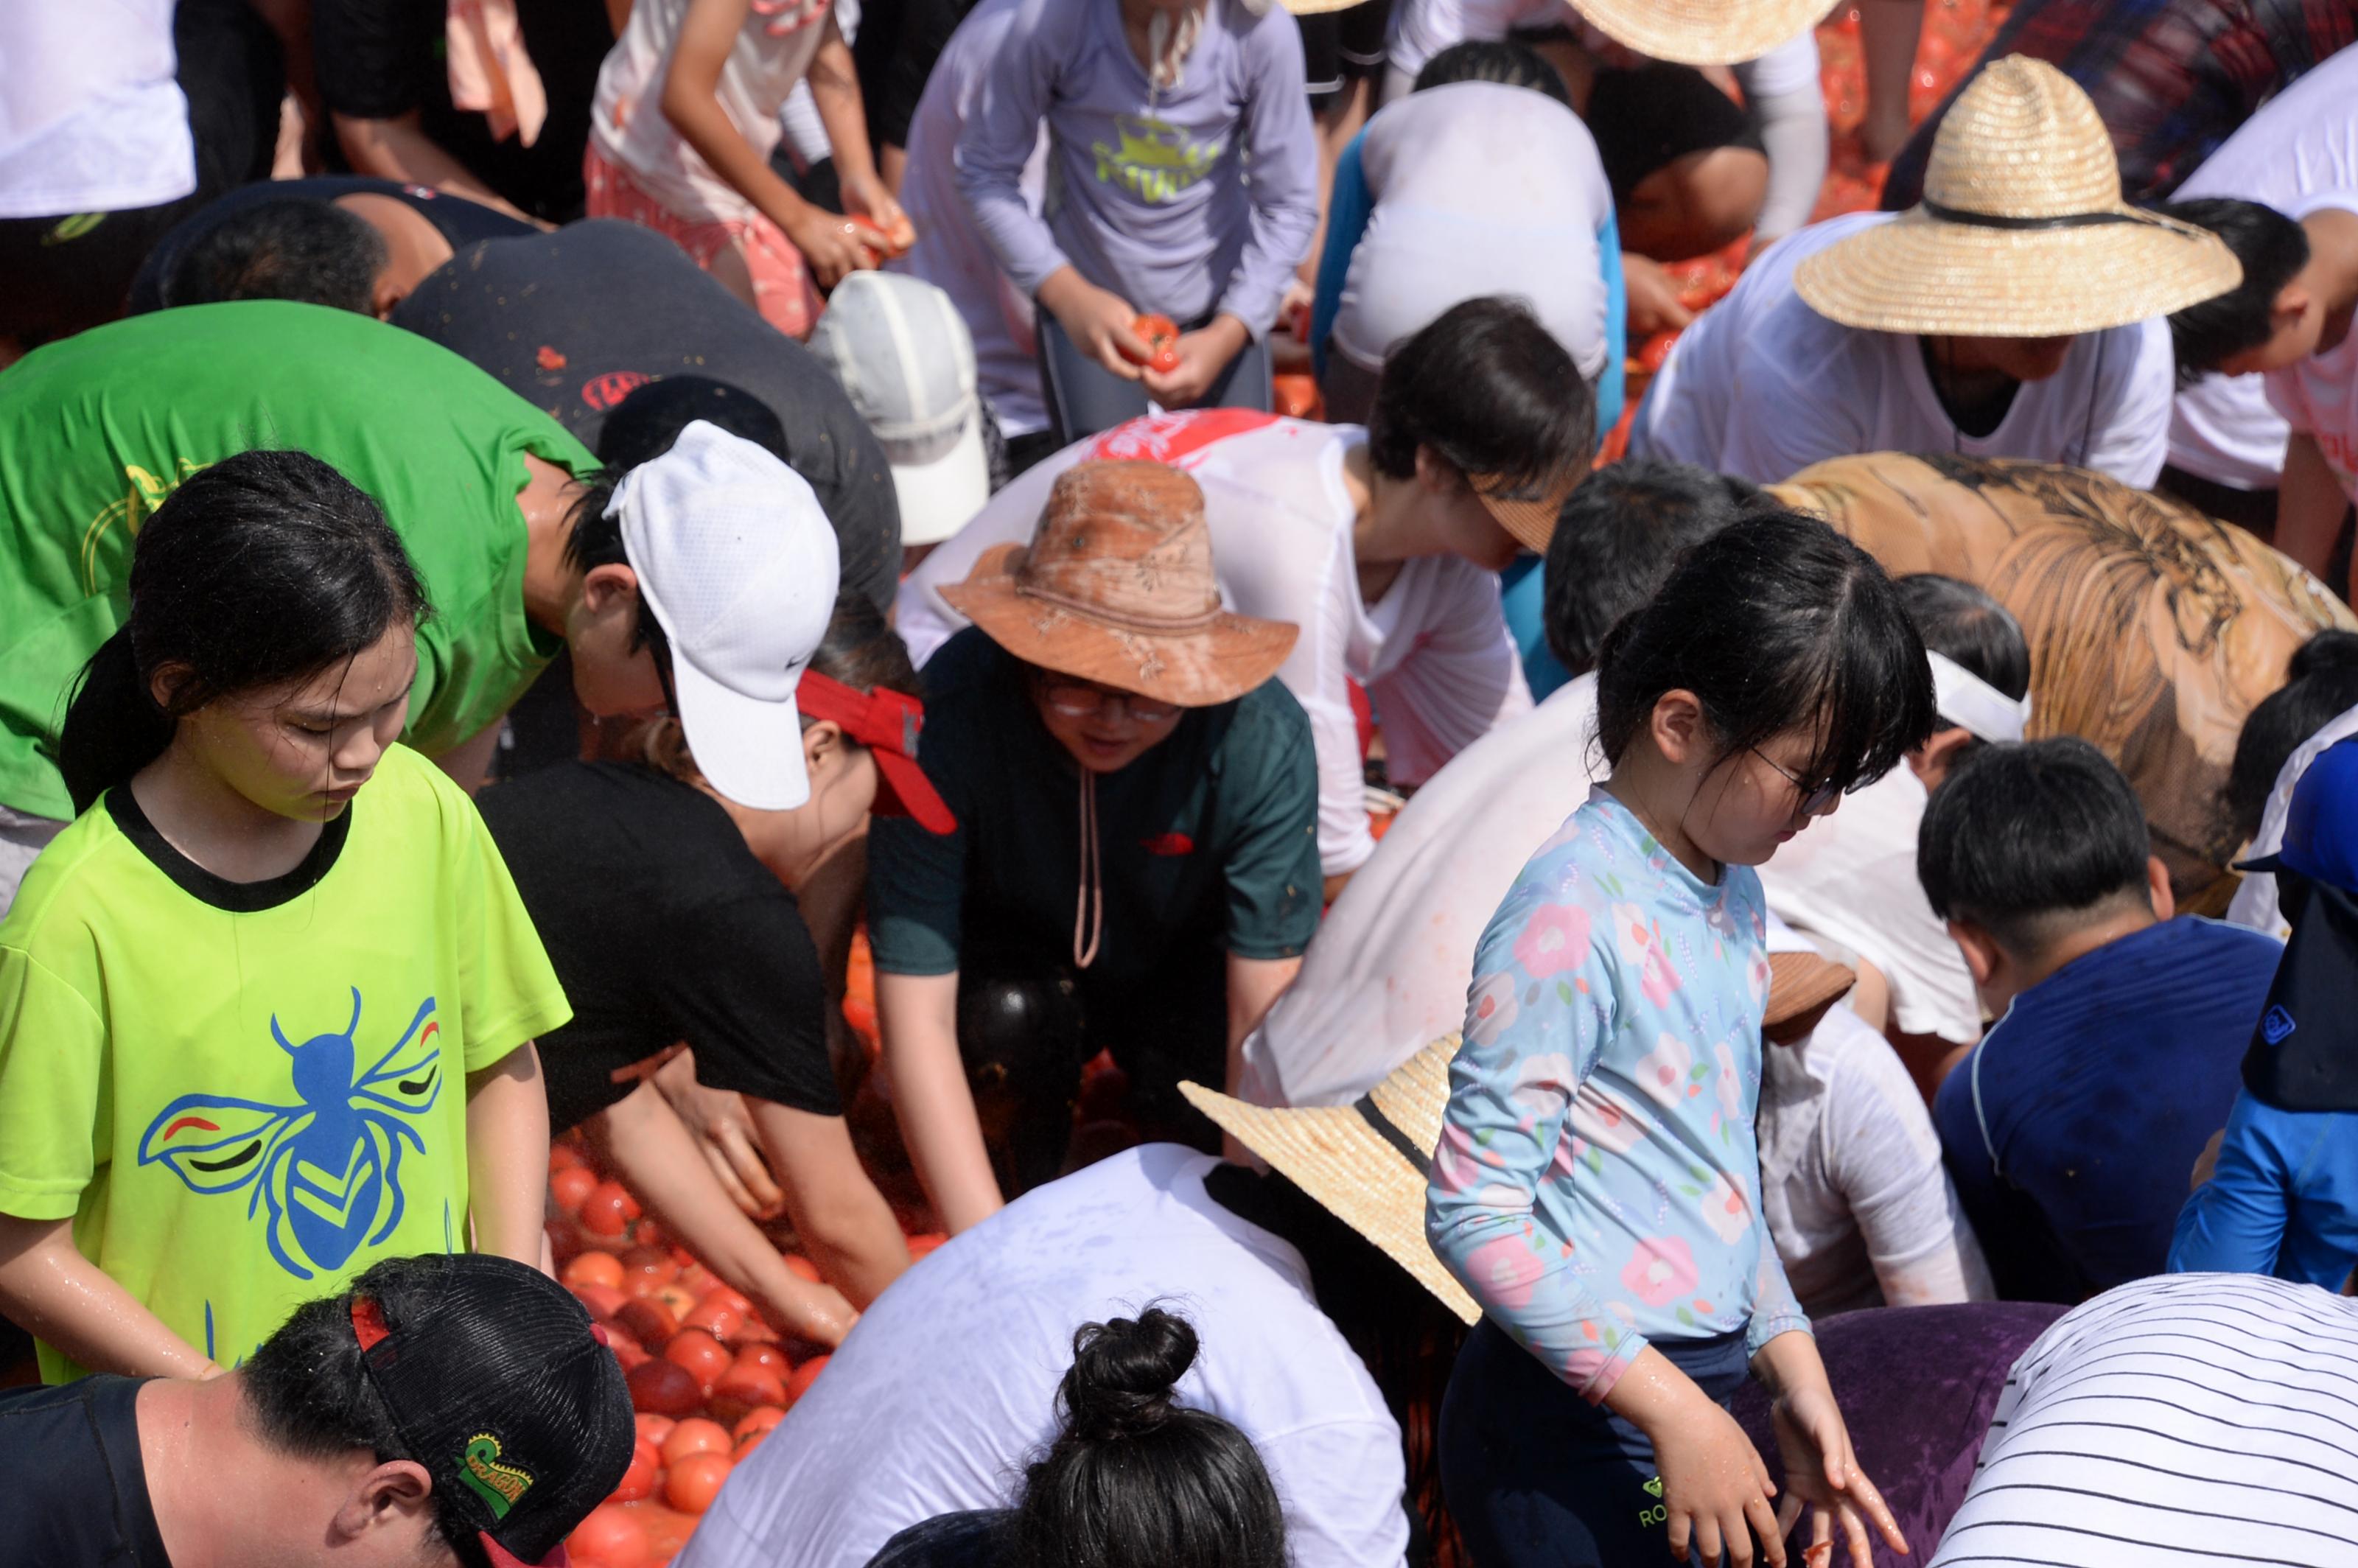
(1776, 623)
(266, 567)
(1136, 1479)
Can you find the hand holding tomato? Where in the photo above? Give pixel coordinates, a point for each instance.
(1097, 320)
(1202, 354)
(1161, 336)
(1652, 297)
(870, 205)
(831, 245)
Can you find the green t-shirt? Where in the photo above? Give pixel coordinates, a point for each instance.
(96, 430)
(1208, 842)
(244, 1095)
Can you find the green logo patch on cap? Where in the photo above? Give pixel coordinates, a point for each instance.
(497, 1483)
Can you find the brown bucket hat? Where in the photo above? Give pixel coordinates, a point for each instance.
(1116, 587)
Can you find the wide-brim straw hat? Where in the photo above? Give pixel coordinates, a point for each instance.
(1117, 587)
(2022, 231)
(1702, 32)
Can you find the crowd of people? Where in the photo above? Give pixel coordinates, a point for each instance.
(1494, 949)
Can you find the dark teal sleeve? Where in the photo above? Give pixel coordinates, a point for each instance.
(1270, 785)
(916, 880)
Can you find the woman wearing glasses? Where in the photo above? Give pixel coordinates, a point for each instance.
(1135, 867)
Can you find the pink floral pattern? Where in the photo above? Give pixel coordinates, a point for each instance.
(1593, 1184)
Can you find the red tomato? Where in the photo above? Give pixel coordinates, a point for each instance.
(805, 1376)
(801, 1267)
(716, 1319)
(654, 1428)
(564, 1238)
(638, 1480)
(1162, 335)
(694, 1435)
(729, 1296)
(609, 1210)
(627, 1352)
(665, 1387)
(565, 1157)
(595, 1267)
(1655, 349)
(609, 1537)
(692, 1483)
(700, 1356)
(696, 1279)
(676, 1300)
(649, 1234)
(743, 1389)
(763, 1358)
(886, 243)
(920, 1245)
(757, 1425)
(650, 1322)
(569, 1186)
(646, 1269)
(602, 1301)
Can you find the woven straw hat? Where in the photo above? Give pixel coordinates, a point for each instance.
(2022, 231)
(1702, 32)
(1364, 1163)
(1116, 587)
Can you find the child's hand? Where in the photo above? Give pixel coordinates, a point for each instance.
(1203, 356)
(868, 196)
(1716, 1487)
(1820, 1470)
(830, 243)
(1097, 320)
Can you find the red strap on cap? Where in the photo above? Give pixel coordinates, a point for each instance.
(368, 1324)
(883, 717)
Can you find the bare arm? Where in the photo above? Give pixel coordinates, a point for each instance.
(507, 1155)
(400, 149)
(835, 89)
(1254, 986)
(50, 1289)
(836, 1210)
(2310, 503)
(917, 1015)
(652, 1148)
(691, 102)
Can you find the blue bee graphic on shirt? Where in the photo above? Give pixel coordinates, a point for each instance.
(328, 1168)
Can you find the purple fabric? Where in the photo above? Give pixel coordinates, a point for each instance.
(1916, 1386)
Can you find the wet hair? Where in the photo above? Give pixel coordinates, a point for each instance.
(296, 247)
(1135, 1478)
(2029, 841)
(1776, 623)
(309, 1398)
(2320, 686)
(1502, 60)
(267, 567)
(1971, 630)
(1617, 539)
(643, 426)
(2273, 249)
(1490, 390)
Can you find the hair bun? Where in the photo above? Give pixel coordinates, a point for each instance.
(2332, 649)
(1123, 1373)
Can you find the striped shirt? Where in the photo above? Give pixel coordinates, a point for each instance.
(2184, 1419)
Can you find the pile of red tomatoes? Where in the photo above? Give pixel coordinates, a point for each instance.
(708, 1378)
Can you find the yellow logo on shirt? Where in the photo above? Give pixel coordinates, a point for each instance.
(1155, 160)
(143, 493)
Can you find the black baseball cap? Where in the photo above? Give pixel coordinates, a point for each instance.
(503, 1389)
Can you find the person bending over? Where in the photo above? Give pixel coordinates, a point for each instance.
(2286, 732)
(2070, 1128)
(443, 1411)
(666, 888)
(1136, 799)
(1132, 1475)
(2017, 312)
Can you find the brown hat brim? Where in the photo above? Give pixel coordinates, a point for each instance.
(1200, 667)
(1532, 519)
(1803, 983)
(1922, 273)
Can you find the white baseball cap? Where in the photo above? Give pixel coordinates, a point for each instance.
(905, 357)
(737, 562)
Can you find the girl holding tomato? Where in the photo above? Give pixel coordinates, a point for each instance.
(1159, 267)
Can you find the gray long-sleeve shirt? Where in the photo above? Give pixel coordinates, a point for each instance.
(1189, 200)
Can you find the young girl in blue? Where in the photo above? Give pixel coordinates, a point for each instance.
(1597, 1187)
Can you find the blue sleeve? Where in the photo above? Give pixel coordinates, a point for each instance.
(1611, 387)
(1348, 209)
(2236, 1223)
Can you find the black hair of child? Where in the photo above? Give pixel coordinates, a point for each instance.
(1133, 1476)
(2272, 247)
(1776, 623)
(1617, 537)
(2320, 686)
(1965, 625)
(298, 248)
(266, 567)
(2022, 834)
(1502, 60)
(1490, 390)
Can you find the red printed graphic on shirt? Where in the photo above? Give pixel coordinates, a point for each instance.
(1181, 439)
(1168, 844)
(602, 392)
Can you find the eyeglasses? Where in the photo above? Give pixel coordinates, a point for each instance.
(1083, 699)
(1816, 800)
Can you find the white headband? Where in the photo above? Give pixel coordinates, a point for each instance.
(1965, 700)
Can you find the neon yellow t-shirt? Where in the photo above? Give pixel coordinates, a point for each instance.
(244, 1095)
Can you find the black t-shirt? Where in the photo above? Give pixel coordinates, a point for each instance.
(76, 1489)
(903, 59)
(461, 222)
(572, 321)
(662, 928)
(378, 59)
